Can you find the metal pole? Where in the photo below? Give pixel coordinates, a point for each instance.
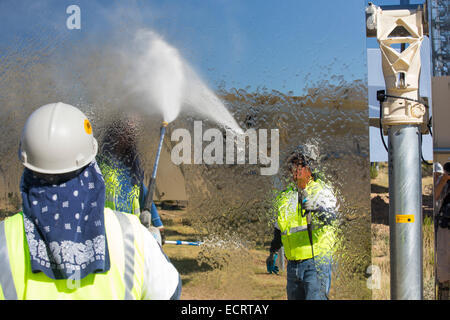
(405, 209)
(405, 174)
(405, 212)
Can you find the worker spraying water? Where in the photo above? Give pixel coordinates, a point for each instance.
(165, 82)
(123, 173)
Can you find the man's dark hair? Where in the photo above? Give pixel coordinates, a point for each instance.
(296, 159)
(447, 167)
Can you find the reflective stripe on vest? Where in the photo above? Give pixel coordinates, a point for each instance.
(126, 265)
(128, 249)
(294, 230)
(6, 278)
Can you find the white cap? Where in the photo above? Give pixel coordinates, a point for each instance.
(437, 167)
(57, 138)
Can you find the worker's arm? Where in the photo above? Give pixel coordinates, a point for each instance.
(276, 244)
(440, 186)
(156, 220)
(161, 280)
(323, 204)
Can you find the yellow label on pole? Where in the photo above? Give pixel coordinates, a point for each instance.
(404, 218)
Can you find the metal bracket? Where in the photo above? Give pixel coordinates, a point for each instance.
(400, 25)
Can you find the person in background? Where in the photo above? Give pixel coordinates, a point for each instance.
(124, 177)
(442, 230)
(441, 176)
(65, 244)
(306, 213)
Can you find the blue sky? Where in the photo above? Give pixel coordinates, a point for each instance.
(282, 45)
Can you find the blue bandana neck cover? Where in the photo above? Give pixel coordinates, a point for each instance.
(64, 224)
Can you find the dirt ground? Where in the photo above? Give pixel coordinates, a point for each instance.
(243, 276)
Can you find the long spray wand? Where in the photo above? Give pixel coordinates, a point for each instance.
(152, 182)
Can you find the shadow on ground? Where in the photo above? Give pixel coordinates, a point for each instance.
(186, 266)
(380, 207)
(375, 188)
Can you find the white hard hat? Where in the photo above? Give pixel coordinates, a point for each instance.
(438, 168)
(57, 138)
(309, 151)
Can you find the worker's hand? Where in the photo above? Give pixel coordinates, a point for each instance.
(163, 234)
(323, 200)
(145, 218)
(270, 263)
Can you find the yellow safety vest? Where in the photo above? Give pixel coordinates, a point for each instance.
(292, 222)
(113, 189)
(124, 280)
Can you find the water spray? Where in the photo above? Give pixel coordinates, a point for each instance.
(152, 182)
(167, 83)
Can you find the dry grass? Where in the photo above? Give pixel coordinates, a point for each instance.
(380, 235)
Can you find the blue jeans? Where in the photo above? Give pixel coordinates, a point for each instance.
(309, 279)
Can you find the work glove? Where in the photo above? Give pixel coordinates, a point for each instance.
(322, 203)
(158, 233)
(270, 263)
(145, 218)
(322, 200)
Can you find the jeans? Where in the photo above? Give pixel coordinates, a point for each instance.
(309, 279)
